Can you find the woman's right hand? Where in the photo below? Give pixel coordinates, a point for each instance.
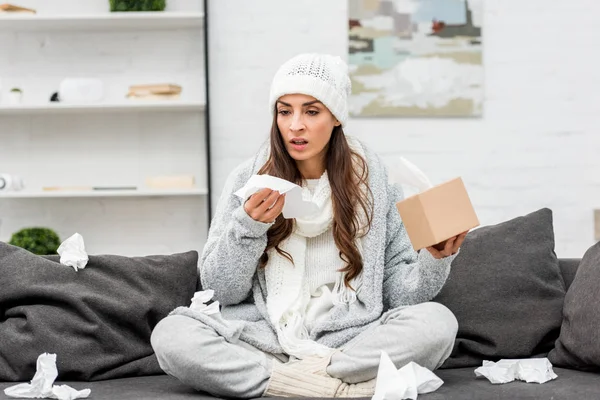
(265, 205)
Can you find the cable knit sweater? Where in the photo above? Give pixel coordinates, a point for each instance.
(322, 256)
(322, 263)
(394, 275)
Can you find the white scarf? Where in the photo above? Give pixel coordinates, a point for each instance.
(288, 294)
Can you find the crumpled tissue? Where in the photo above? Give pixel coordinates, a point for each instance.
(72, 252)
(41, 385)
(404, 383)
(199, 302)
(294, 207)
(538, 370)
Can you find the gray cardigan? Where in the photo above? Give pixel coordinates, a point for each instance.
(394, 275)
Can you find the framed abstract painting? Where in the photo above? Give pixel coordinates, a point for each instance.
(415, 58)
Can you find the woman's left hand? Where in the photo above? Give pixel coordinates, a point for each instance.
(447, 247)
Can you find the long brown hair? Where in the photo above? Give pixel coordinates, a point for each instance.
(347, 172)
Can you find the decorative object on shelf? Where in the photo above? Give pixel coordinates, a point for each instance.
(55, 98)
(160, 91)
(15, 96)
(416, 58)
(11, 183)
(10, 9)
(137, 5)
(38, 240)
(171, 182)
(81, 90)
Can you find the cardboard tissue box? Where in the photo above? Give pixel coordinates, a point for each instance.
(436, 213)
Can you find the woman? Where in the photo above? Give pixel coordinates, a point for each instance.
(309, 304)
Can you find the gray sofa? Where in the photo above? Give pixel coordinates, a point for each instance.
(459, 383)
(506, 287)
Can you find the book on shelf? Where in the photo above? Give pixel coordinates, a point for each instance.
(154, 96)
(154, 91)
(10, 9)
(170, 182)
(85, 188)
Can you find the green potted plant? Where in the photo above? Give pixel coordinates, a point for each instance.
(40, 241)
(137, 5)
(15, 96)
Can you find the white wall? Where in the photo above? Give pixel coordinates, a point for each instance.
(105, 148)
(536, 146)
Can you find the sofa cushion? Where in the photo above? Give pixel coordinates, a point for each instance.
(578, 345)
(506, 290)
(568, 269)
(97, 320)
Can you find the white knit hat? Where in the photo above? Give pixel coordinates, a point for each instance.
(321, 76)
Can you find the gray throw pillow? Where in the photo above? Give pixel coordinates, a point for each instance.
(578, 346)
(97, 320)
(506, 290)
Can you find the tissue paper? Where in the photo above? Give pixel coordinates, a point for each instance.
(406, 173)
(294, 206)
(538, 370)
(41, 385)
(405, 383)
(72, 252)
(199, 302)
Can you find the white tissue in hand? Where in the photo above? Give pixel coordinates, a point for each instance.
(72, 252)
(294, 206)
(202, 297)
(41, 385)
(538, 370)
(404, 172)
(404, 383)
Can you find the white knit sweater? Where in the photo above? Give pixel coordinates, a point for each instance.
(322, 262)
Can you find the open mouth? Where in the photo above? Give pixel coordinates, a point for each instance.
(298, 142)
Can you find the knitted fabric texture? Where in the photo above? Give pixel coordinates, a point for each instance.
(394, 275)
(322, 255)
(322, 261)
(287, 284)
(321, 76)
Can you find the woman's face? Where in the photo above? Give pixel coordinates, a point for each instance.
(306, 126)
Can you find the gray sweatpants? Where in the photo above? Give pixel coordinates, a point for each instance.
(195, 354)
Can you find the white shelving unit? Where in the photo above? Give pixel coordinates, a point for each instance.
(110, 144)
(131, 106)
(107, 21)
(104, 193)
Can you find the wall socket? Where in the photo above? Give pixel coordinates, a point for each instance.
(597, 225)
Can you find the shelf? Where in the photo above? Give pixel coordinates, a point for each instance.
(133, 106)
(105, 21)
(104, 193)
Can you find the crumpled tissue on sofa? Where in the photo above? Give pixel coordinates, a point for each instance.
(42, 384)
